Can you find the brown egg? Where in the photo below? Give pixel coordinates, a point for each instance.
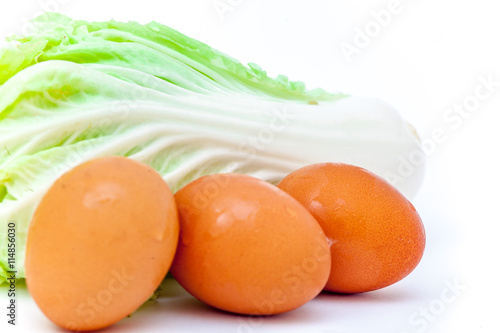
(248, 247)
(100, 242)
(377, 235)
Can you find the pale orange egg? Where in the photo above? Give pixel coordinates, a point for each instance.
(100, 242)
(248, 247)
(377, 235)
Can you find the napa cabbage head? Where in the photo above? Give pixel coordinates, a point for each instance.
(75, 90)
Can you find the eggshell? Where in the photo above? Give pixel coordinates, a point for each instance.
(100, 242)
(377, 235)
(247, 247)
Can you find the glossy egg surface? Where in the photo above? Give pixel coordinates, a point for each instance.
(100, 242)
(377, 235)
(247, 247)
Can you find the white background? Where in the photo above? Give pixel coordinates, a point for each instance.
(428, 57)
